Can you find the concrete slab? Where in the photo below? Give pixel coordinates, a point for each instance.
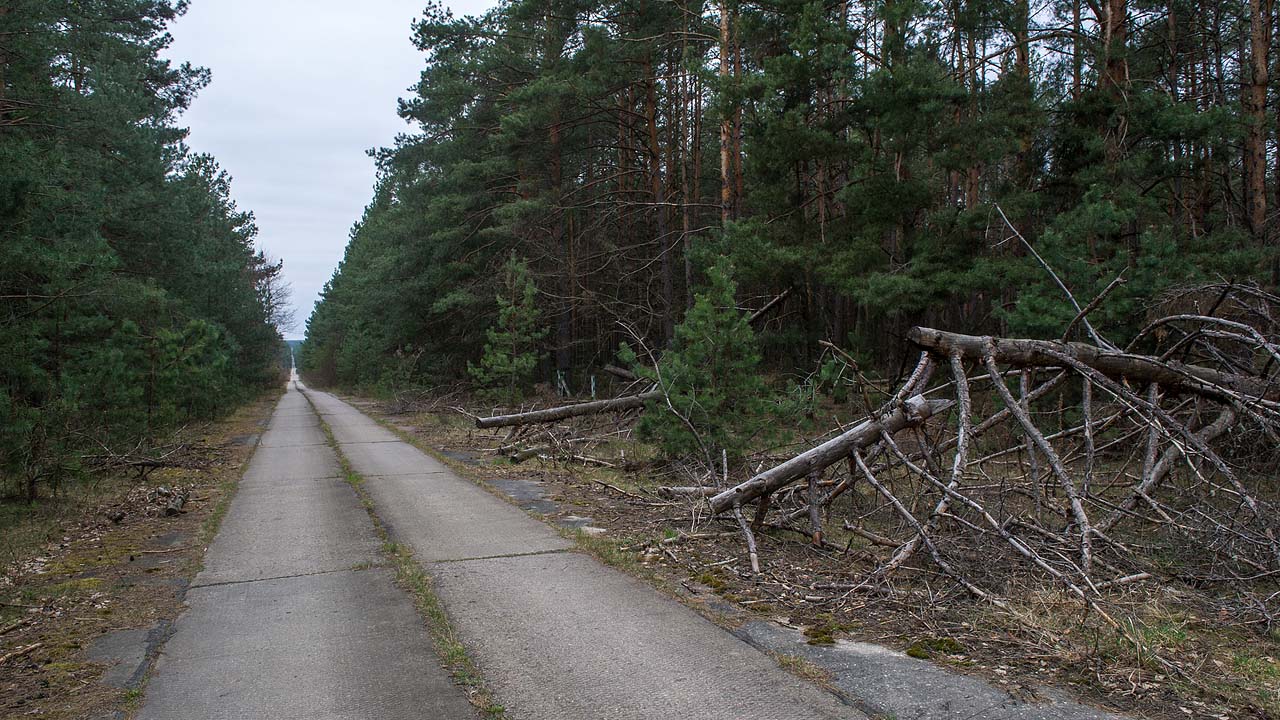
(292, 462)
(328, 405)
(895, 685)
(292, 421)
(594, 643)
(281, 624)
(290, 436)
(346, 434)
(313, 526)
(335, 646)
(443, 517)
(125, 654)
(390, 458)
(558, 635)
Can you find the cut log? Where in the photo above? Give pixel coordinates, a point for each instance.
(620, 373)
(564, 412)
(1171, 375)
(520, 456)
(912, 412)
(670, 492)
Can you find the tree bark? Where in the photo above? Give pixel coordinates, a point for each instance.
(726, 120)
(564, 412)
(1173, 376)
(912, 412)
(659, 202)
(1115, 34)
(1253, 97)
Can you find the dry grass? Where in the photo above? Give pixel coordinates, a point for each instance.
(71, 574)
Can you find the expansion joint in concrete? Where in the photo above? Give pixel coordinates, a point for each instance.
(557, 551)
(353, 568)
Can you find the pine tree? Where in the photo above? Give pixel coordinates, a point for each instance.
(131, 295)
(511, 350)
(710, 375)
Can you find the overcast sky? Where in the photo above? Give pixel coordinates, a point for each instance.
(301, 89)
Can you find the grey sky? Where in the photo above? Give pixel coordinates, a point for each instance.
(301, 89)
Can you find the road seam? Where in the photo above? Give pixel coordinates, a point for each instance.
(404, 474)
(556, 551)
(350, 568)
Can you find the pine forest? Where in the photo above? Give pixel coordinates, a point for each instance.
(132, 297)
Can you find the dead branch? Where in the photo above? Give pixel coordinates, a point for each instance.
(912, 412)
(1175, 376)
(564, 412)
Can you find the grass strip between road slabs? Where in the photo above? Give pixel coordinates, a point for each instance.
(410, 576)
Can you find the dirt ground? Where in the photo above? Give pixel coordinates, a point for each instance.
(105, 558)
(1222, 669)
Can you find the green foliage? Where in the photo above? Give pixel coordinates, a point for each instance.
(711, 377)
(868, 146)
(511, 348)
(131, 296)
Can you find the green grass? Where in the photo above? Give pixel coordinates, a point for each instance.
(803, 668)
(450, 649)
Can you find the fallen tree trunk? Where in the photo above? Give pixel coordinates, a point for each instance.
(1170, 375)
(564, 412)
(685, 491)
(912, 412)
(621, 373)
(759, 314)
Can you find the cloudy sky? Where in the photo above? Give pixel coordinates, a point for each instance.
(301, 89)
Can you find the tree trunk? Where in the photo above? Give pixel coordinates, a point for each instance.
(1253, 97)
(913, 412)
(1077, 55)
(659, 202)
(564, 412)
(726, 120)
(1171, 375)
(1115, 35)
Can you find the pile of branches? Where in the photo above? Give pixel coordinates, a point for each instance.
(1090, 465)
(1086, 464)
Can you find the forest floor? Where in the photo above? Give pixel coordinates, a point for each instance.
(101, 569)
(1045, 641)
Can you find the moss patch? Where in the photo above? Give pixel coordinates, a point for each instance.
(926, 648)
(826, 628)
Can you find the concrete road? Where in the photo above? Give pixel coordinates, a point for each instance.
(557, 635)
(291, 617)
